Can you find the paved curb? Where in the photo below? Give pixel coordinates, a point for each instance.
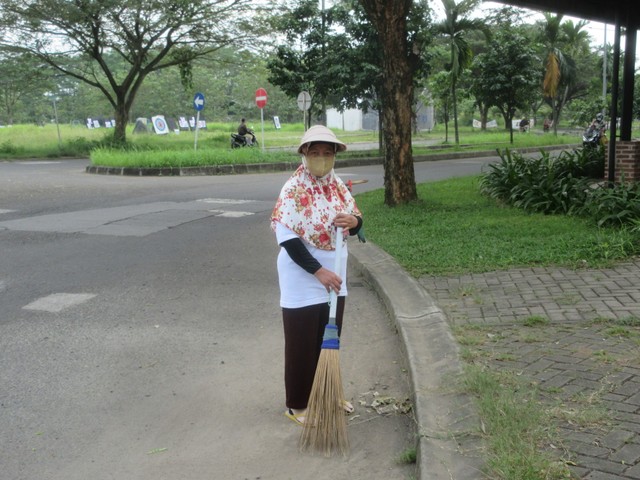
(449, 446)
(290, 166)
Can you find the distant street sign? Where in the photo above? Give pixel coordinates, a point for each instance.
(198, 101)
(304, 101)
(261, 97)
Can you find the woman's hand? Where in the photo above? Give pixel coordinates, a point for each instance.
(330, 280)
(345, 220)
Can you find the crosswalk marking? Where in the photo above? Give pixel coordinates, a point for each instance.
(56, 302)
(6, 211)
(39, 162)
(227, 201)
(138, 219)
(230, 214)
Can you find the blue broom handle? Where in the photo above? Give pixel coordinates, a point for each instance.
(337, 263)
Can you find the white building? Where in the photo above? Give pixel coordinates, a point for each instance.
(353, 119)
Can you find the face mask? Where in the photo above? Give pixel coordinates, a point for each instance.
(320, 165)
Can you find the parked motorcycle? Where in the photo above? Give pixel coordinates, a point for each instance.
(238, 140)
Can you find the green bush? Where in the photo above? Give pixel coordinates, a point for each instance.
(79, 147)
(8, 147)
(616, 206)
(564, 184)
(590, 162)
(542, 185)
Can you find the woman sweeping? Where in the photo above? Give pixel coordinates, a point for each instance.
(312, 203)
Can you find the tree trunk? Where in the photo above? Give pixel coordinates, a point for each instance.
(390, 21)
(484, 114)
(122, 118)
(454, 100)
(380, 137)
(399, 177)
(446, 124)
(555, 112)
(510, 120)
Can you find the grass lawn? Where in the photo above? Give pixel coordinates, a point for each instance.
(213, 146)
(453, 229)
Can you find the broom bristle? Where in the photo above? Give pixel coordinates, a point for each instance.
(325, 425)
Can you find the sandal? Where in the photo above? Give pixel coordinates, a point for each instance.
(347, 407)
(298, 418)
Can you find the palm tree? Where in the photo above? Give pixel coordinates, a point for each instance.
(563, 41)
(577, 39)
(454, 28)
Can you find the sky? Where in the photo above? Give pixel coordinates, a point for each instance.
(596, 30)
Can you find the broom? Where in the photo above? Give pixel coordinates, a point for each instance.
(325, 425)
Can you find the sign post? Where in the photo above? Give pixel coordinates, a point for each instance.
(304, 103)
(261, 101)
(198, 104)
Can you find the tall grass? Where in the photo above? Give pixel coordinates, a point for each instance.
(147, 158)
(518, 431)
(24, 141)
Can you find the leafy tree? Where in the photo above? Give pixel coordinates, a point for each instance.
(440, 92)
(507, 75)
(368, 66)
(498, 20)
(562, 42)
(229, 81)
(362, 60)
(81, 39)
(399, 61)
(454, 29)
(22, 77)
(307, 61)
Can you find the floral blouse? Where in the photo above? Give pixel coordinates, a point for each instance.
(307, 205)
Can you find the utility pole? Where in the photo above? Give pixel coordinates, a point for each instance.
(324, 100)
(604, 70)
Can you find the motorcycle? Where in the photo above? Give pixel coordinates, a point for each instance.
(238, 141)
(593, 137)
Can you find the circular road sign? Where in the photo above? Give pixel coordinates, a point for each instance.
(198, 101)
(304, 101)
(261, 97)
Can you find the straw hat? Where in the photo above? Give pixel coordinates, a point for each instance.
(320, 133)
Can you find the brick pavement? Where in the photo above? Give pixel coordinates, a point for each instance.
(574, 333)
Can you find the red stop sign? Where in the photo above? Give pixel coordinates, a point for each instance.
(261, 97)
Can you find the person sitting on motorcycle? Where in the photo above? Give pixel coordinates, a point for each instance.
(245, 132)
(598, 124)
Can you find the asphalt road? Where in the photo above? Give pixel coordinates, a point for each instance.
(140, 331)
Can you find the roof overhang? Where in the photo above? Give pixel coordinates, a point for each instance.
(594, 10)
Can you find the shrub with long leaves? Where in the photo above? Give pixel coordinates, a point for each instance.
(544, 185)
(614, 206)
(564, 184)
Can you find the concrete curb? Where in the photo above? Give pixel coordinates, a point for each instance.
(449, 444)
(289, 166)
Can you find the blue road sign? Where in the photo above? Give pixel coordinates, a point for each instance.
(198, 101)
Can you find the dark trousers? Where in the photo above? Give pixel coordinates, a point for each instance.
(303, 331)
